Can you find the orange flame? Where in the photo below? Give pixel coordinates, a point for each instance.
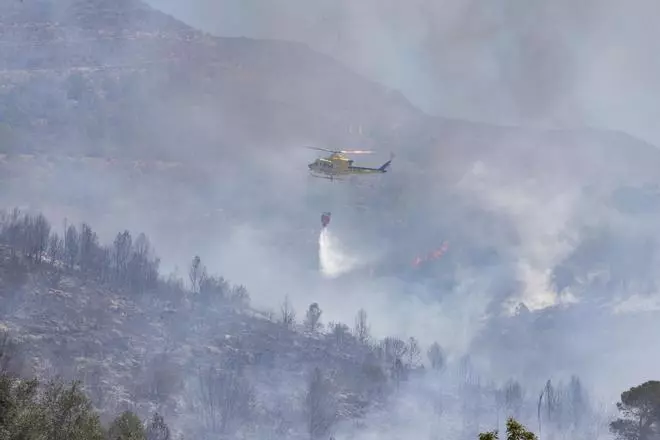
(433, 255)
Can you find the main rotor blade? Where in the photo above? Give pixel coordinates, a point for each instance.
(356, 151)
(323, 149)
(341, 151)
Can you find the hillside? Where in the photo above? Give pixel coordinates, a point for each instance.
(146, 84)
(100, 314)
(211, 364)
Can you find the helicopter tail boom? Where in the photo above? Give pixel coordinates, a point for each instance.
(383, 168)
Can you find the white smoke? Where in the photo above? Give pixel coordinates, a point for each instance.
(541, 216)
(333, 259)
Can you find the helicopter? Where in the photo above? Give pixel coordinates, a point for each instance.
(337, 164)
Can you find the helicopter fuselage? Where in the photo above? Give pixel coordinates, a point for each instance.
(337, 165)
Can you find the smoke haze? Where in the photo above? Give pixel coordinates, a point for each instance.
(558, 64)
(564, 222)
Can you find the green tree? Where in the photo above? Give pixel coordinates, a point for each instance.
(11, 359)
(67, 414)
(640, 410)
(514, 431)
(18, 415)
(127, 426)
(59, 412)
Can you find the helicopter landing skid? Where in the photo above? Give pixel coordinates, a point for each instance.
(331, 178)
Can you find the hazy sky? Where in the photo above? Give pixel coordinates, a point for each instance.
(511, 62)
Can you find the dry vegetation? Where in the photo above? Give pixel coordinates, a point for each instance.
(130, 342)
(103, 315)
